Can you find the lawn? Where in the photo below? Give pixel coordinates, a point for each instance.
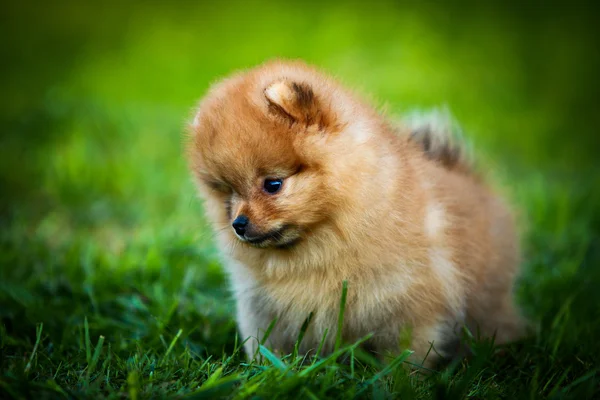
(110, 284)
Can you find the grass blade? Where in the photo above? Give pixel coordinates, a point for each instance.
(38, 338)
(264, 338)
(580, 380)
(321, 344)
(277, 363)
(214, 377)
(133, 383)
(95, 357)
(301, 334)
(88, 342)
(332, 357)
(172, 344)
(214, 391)
(268, 331)
(391, 366)
(340, 325)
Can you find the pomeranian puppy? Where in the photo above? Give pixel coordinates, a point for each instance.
(307, 186)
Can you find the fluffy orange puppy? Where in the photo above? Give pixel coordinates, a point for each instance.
(307, 186)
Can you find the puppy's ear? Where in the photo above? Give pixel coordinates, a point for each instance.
(294, 101)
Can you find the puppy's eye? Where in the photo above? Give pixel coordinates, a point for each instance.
(272, 186)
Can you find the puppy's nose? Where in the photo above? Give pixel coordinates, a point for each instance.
(240, 224)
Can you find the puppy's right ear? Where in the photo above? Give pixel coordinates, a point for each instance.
(294, 101)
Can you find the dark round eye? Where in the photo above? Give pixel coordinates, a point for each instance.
(272, 185)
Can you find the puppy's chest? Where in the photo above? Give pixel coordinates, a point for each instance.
(289, 298)
(292, 303)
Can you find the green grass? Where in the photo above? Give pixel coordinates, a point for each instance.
(110, 284)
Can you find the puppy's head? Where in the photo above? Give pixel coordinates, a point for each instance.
(259, 152)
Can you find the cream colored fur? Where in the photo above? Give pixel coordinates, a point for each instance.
(424, 244)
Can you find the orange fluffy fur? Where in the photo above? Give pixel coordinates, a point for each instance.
(424, 244)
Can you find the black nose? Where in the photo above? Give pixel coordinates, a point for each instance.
(239, 224)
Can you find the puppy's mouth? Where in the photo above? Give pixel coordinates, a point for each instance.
(282, 238)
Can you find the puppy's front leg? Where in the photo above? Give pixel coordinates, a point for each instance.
(252, 324)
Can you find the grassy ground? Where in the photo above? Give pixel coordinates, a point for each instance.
(109, 281)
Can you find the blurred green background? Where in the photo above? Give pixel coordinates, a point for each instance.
(98, 214)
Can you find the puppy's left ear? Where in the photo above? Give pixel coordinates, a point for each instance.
(294, 101)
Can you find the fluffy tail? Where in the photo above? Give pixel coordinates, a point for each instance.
(440, 137)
